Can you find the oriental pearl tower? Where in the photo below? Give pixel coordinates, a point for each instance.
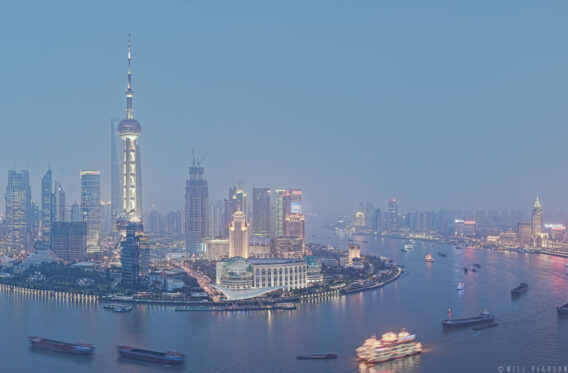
(129, 130)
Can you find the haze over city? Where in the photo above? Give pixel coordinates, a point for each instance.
(441, 105)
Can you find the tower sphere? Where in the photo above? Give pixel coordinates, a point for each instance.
(129, 128)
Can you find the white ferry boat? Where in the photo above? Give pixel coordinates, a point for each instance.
(429, 258)
(460, 286)
(391, 346)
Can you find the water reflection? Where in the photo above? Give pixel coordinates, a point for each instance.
(394, 366)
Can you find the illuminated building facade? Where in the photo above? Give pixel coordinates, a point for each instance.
(524, 233)
(238, 236)
(129, 131)
(47, 208)
(19, 230)
(135, 257)
(537, 218)
(91, 206)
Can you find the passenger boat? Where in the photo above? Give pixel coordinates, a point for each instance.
(483, 318)
(476, 265)
(317, 356)
(168, 357)
(465, 269)
(562, 310)
(76, 348)
(523, 286)
(391, 346)
(409, 246)
(460, 286)
(429, 258)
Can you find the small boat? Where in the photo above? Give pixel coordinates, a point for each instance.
(442, 255)
(121, 309)
(117, 308)
(476, 265)
(317, 356)
(168, 357)
(523, 286)
(365, 242)
(562, 310)
(458, 247)
(485, 326)
(429, 258)
(474, 270)
(404, 250)
(465, 269)
(76, 348)
(460, 286)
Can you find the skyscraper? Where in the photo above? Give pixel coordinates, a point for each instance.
(393, 215)
(18, 210)
(260, 212)
(537, 218)
(278, 213)
(60, 202)
(129, 130)
(196, 209)
(47, 208)
(115, 172)
(238, 235)
(91, 206)
(134, 257)
(237, 201)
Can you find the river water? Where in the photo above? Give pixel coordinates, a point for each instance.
(530, 334)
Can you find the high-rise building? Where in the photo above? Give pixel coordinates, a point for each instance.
(377, 221)
(238, 235)
(261, 212)
(47, 208)
(115, 172)
(217, 219)
(537, 227)
(60, 202)
(173, 223)
(278, 213)
(19, 230)
(91, 206)
(134, 257)
(369, 210)
(393, 214)
(76, 215)
(196, 209)
(294, 225)
(69, 240)
(129, 131)
(153, 222)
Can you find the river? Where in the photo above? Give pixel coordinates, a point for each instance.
(530, 333)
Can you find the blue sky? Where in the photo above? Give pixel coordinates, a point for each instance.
(441, 104)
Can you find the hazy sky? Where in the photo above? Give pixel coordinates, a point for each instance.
(441, 104)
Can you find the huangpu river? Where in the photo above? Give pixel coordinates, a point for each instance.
(530, 334)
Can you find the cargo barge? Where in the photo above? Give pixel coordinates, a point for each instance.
(76, 348)
(168, 357)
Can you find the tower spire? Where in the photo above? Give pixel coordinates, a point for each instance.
(129, 92)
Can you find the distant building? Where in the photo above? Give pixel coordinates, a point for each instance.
(238, 236)
(369, 211)
(465, 228)
(216, 248)
(261, 212)
(76, 215)
(537, 226)
(47, 208)
(393, 215)
(69, 240)
(60, 202)
(294, 225)
(377, 221)
(196, 209)
(91, 206)
(524, 233)
(287, 247)
(359, 220)
(19, 219)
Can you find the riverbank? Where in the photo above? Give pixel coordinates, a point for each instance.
(49, 293)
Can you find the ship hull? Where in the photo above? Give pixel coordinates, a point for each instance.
(62, 347)
(149, 357)
(467, 322)
(379, 361)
